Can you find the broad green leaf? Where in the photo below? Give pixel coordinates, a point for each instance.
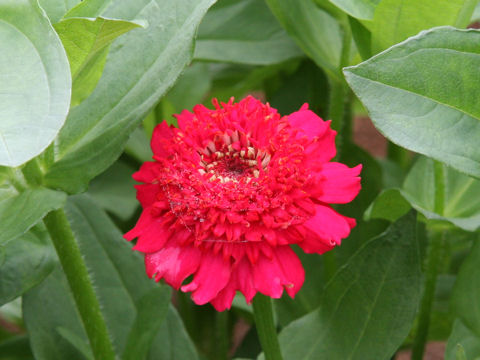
(244, 32)
(56, 9)
(422, 95)
(140, 67)
(35, 82)
(364, 313)
(19, 211)
(27, 261)
(86, 42)
(395, 20)
(462, 344)
(360, 9)
(315, 31)
(121, 285)
(114, 190)
(149, 319)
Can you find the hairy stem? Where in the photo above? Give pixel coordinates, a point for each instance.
(263, 314)
(77, 276)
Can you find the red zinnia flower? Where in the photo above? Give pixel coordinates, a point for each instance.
(230, 190)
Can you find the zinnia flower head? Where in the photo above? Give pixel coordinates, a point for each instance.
(231, 190)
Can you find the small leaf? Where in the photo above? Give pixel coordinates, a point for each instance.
(35, 82)
(467, 287)
(56, 9)
(360, 9)
(315, 31)
(394, 20)
(20, 211)
(86, 42)
(245, 32)
(389, 205)
(27, 261)
(423, 95)
(140, 67)
(364, 313)
(462, 344)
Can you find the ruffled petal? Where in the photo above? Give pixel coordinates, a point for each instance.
(184, 119)
(329, 226)
(292, 269)
(161, 137)
(212, 276)
(173, 263)
(336, 183)
(148, 172)
(270, 277)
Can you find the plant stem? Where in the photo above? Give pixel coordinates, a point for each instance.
(77, 276)
(433, 262)
(263, 314)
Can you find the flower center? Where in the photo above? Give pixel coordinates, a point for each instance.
(232, 158)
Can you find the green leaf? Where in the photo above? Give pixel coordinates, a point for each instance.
(86, 42)
(389, 205)
(394, 20)
(462, 344)
(245, 32)
(121, 286)
(461, 192)
(364, 313)
(149, 319)
(467, 287)
(20, 211)
(27, 261)
(315, 31)
(360, 9)
(140, 67)
(190, 88)
(138, 146)
(114, 190)
(35, 82)
(56, 9)
(16, 348)
(422, 94)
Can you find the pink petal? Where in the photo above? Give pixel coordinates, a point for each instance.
(212, 276)
(336, 183)
(143, 222)
(310, 123)
(161, 137)
(292, 268)
(147, 194)
(173, 263)
(153, 237)
(329, 226)
(270, 276)
(184, 119)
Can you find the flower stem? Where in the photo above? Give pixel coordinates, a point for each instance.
(433, 262)
(79, 281)
(263, 314)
